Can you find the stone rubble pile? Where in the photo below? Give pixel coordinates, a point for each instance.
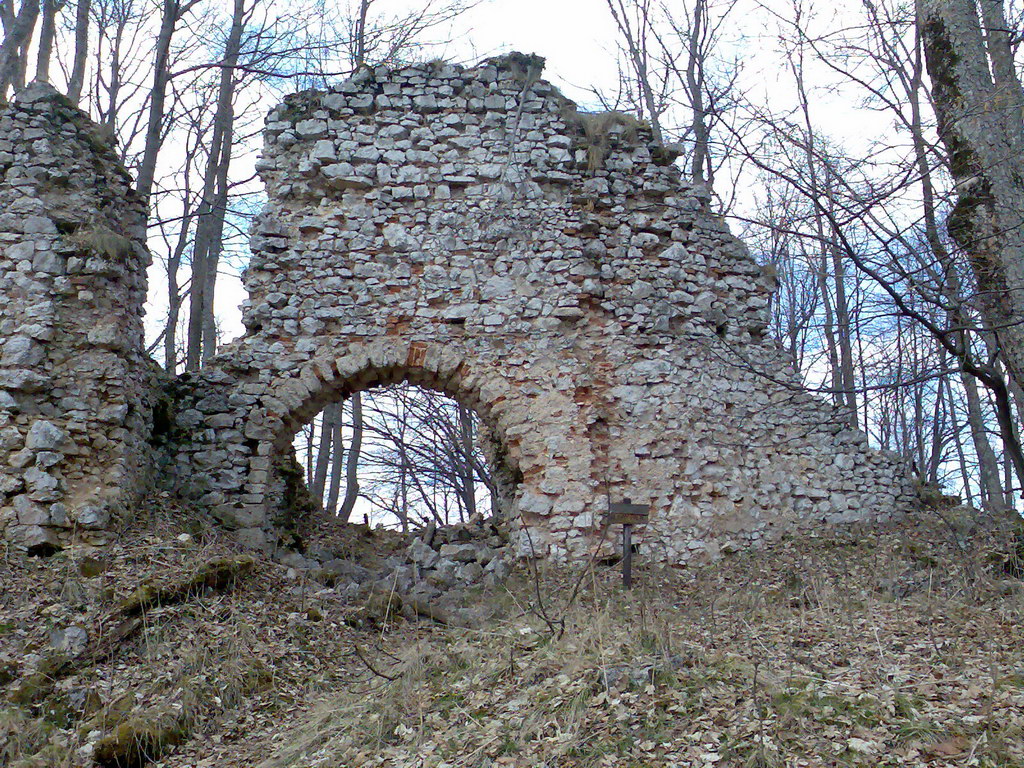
(432, 573)
(459, 556)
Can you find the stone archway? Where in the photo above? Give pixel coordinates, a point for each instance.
(233, 464)
(468, 227)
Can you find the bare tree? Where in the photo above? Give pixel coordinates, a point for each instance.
(352, 462)
(18, 27)
(977, 95)
(863, 206)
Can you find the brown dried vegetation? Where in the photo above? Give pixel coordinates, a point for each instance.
(874, 648)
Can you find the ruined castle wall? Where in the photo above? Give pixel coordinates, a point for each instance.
(469, 230)
(75, 386)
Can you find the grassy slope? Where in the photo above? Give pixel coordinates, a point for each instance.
(887, 648)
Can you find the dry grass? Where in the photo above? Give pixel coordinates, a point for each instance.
(885, 649)
(881, 651)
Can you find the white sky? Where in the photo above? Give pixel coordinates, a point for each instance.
(575, 36)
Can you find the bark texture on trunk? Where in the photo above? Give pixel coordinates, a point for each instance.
(77, 79)
(14, 48)
(202, 329)
(978, 105)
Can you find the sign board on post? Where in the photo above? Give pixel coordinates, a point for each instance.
(627, 514)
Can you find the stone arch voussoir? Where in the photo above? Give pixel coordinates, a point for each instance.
(263, 431)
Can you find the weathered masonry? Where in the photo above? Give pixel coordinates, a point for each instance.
(75, 384)
(469, 231)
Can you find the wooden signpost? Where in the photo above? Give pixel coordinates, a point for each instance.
(627, 514)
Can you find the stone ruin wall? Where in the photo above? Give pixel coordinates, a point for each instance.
(468, 230)
(464, 229)
(75, 385)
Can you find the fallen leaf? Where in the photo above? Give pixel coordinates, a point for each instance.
(946, 748)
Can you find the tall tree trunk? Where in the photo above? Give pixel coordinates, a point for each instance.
(935, 449)
(337, 465)
(978, 99)
(17, 33)
(47, 30)
(844, 335)
(359, 38)
(77, 79)
(352, 465)
(108, 114)
(331, 415)
(988, 465)
(464, 457)
(174, 298)
(700, 163)
(202, 332)
(157, 97)
(965, 475)
(172, 12)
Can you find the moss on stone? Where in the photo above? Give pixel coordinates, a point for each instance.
(141, 739)
(102, 241)
(215, 574)
(39, 684)
(112, 713)
(21, 736)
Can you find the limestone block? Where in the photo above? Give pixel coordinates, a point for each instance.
(43, 435)
(22, 351)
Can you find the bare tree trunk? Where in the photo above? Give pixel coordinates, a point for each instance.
(173, 11)
(844, 335)
(337, 465)
(988, 465)
(965, 475)
(700, 163)
(935, 451)
(108, 114)
(403, 475)
(464, 458)
(359, 38)
(352, 465)
(978, 99)
(47, 30)
(77, 79)
(328, 426)
(174, 298)
(202, 333)
(17, 33)
(309, 433)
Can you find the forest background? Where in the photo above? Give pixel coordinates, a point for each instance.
(869, 152)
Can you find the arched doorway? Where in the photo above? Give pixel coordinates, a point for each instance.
(402, 457)
(242, 466)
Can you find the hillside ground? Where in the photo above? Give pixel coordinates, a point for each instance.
(894, 647)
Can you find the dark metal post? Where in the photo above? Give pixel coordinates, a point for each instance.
(627, 514)
(627, 556)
